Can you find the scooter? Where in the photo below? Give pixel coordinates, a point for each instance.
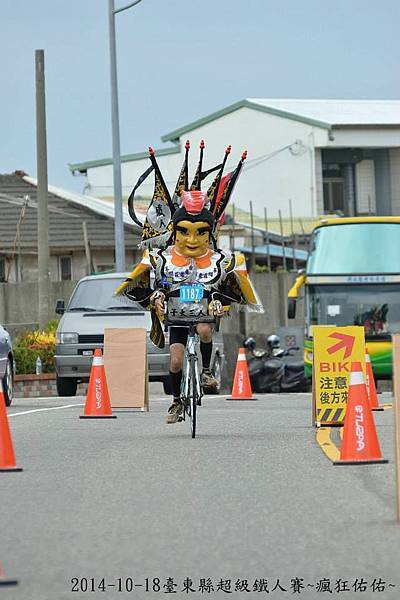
(270, 373)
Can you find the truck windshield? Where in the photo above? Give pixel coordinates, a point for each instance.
(355, 248)
(375, 307)
(98, 295)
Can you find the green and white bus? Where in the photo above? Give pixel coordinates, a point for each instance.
(353, 278)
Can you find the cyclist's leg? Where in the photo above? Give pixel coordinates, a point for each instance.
(177, 343)
(205, 332)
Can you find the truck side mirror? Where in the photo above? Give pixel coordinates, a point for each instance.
(291, 311)
(60, 306)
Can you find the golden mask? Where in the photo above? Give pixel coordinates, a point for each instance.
(192, 239)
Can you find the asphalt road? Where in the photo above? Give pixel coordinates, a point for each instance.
(252, 497)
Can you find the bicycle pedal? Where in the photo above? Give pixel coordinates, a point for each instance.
(198, 402)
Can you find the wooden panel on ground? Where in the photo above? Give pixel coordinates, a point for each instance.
(125, 361)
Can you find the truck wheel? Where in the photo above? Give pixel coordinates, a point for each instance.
(66, 386)
(8, 383)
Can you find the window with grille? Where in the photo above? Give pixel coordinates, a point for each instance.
(2, 269)
(65, 268)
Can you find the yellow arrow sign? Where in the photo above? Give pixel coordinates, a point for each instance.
(334, 349)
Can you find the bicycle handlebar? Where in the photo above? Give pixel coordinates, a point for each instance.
(192, 322)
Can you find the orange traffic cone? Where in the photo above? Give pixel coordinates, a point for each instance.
(4, 581)
(241, 389)
(7, 456)
(360, 443)
(371, 389)
(98, 405)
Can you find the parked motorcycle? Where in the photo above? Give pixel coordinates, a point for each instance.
(269, 371)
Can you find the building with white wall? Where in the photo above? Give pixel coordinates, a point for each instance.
(325, 156)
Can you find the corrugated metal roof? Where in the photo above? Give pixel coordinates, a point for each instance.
(276, 251)
(67, 211)
(338, 112)
(82, 167)
(174, 136)
(101, 207)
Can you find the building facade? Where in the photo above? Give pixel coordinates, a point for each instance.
(320, 156)
(81, 233)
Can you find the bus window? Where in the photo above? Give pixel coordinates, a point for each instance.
(374, 307)
(360, 248)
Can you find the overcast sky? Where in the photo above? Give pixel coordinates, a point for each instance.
(178, 60)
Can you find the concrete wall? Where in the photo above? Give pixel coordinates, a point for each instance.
(367, 137)
(272, 289)
(395, 180)
(18, 305)
(319, 182)
(383, 182)
(365, 187)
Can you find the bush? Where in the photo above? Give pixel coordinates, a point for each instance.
(31, 344)
(260, 269)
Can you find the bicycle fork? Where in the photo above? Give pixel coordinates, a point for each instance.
(191, 356)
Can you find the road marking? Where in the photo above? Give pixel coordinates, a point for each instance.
(27, 412)
(323, 438)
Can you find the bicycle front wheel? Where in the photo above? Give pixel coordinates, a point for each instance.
(193, 392)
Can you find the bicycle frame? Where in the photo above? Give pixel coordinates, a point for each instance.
(191, 357)
(191, 391)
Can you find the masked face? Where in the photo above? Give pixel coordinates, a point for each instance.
(192, 239)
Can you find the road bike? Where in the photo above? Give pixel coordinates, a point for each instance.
(191, 390)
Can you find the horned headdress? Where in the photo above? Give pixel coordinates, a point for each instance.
(158, 224)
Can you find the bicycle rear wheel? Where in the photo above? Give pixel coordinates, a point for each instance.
(193, 393)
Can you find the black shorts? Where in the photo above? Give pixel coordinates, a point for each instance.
(178, 335)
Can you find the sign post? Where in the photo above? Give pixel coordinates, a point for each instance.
(334, 349)
(396, 412)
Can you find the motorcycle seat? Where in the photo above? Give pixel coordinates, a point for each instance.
(271, 365)
(295, 366)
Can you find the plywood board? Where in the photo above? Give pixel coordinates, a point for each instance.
(125, 361)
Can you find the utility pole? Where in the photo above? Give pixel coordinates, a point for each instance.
(118, 212)
(118, 217)
(42, 185)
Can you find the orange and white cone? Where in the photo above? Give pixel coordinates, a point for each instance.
(360, 443)
(371, 389)
(7, 456)
(241, 389)
(98, 405)
(4, 581)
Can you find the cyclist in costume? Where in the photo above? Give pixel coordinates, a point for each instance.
(179, 237)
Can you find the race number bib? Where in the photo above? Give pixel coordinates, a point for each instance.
(191, 293)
